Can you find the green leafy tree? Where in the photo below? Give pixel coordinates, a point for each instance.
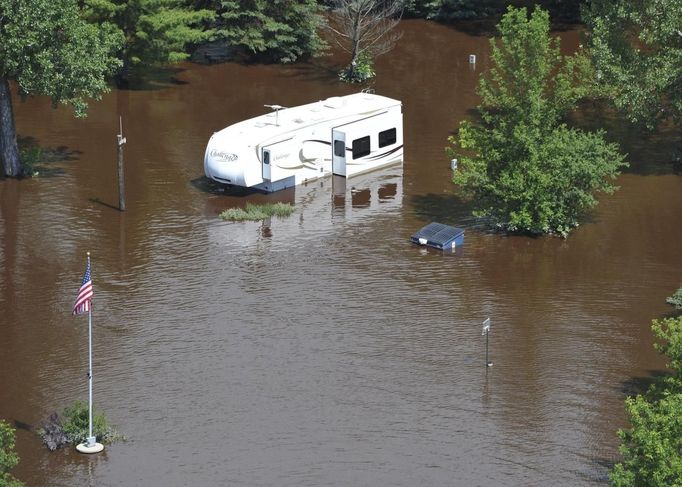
(155, 31)
(651, 448)
(279, 30)
(8, 458)
(669, 331)
(47, 49)
(522, 166)
(637, 51)
(453, 10)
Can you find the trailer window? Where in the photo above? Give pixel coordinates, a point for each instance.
(387, 137)
(339, 148)
(361, 147)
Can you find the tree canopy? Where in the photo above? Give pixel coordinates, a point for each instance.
(278, 30)
(8, 457)
(637, 50)
(651, 448)
(522, 166)
(155, 31)
(46, 48)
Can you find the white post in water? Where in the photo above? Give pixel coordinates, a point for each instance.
(120, 140)
(90, 445)
(486, 332)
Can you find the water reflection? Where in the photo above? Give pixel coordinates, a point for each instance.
(319, 206)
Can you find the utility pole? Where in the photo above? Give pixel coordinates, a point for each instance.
(120, 141)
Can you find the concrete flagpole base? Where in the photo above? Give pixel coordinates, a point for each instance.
(94, 448)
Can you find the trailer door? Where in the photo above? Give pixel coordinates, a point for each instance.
(339, 153)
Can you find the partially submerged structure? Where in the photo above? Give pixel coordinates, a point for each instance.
(346, 135)
(439, 236)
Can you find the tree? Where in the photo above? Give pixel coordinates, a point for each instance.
(155, 31)
(637, 51)
(453, 10)
(364, 29)
(652, 447)
(522, 166)
(47, 49)
(669, 331)
(280, 30)
(8, 458)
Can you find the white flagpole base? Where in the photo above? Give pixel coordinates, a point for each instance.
(94, 448)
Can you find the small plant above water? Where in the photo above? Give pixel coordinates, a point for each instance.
(72, 427)
(257, 212)
(676, 299)
(359, 72)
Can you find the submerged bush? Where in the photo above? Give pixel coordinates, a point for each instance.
(257, 212)
(73, 427)
(52, 432)
(30, 158)
(362, 71)
(675, 299)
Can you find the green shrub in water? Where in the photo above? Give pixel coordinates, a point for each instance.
(363, 70)
(30, 158)
(257, 212)
(72, 427)
(76, 424)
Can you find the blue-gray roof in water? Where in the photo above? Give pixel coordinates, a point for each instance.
(439, 236)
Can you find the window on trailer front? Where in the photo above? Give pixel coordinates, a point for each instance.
(339, 148)
(361, 147)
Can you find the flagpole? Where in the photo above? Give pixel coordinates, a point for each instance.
(90, 445)
(91, 440)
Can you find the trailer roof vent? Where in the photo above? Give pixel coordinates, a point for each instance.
(439, 236)
(334, 102)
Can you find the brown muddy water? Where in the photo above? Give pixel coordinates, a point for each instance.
(323, 349)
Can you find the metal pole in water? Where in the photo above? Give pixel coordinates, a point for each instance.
(120, 140)
(90, 439)
(486, 332)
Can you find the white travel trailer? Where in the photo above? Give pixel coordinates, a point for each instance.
(345, 135)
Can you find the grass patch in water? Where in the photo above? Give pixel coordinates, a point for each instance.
(257, 212)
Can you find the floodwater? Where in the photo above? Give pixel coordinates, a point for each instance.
(325, 348)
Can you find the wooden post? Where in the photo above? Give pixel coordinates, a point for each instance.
(120, 140)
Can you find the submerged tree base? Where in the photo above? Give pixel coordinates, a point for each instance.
(358, 72)
(254, 212)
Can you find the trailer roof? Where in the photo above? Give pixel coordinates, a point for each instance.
(281, 120)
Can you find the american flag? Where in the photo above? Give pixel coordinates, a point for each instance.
(82, 303)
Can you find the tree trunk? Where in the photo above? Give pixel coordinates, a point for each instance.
(122, 78)
(9, 152)
(353, 65)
